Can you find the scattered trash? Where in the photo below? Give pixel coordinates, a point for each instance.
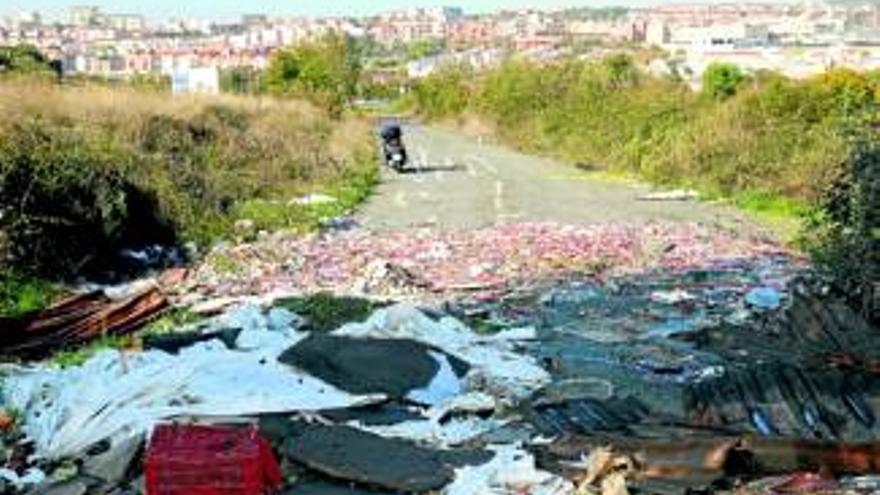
(510, 472)
(542, 359)
(188, 459)
(432, 263)
(674, 195)
(764, 298)
(68, 410)
(314, 199)
(77, 320)
(494, 366)
(29, 478)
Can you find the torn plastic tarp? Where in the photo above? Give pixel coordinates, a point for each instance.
(68, 410)
(511, 472)
(495, 366)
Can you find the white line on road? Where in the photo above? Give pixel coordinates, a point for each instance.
(485, 163)
(499, 197)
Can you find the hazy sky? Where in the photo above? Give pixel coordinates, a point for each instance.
(156, 9)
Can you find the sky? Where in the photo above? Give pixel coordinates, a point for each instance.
(227, 9)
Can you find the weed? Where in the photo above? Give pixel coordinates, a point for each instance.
(77, 357)
(325, 312)
(21, 294)
(172, 321)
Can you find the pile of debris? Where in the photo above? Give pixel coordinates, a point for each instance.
(316, 396)
(79, 319)
(730, 375)
(430, 262)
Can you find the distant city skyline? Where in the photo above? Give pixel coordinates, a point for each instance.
(226, 9)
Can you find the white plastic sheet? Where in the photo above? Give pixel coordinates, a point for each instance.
(68, 410)
(495, 366)
(448, 434)
(444, 386)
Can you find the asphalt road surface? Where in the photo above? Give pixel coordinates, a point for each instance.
(457, 181)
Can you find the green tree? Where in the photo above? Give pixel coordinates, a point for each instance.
(326, 71)
(721, 80)
(424, 48)
(282, 72)
(27, 60)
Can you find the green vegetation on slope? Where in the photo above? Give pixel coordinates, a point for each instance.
(84, 171)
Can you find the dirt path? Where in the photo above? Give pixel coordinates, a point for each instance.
(459, 182)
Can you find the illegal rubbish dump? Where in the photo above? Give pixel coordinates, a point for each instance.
(650, 359)
(431, 263)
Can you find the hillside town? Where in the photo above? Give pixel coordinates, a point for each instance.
(797, 39)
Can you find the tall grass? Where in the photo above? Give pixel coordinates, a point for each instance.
(86, 170)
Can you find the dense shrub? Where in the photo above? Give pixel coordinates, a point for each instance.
(722, 80)
(83, 172)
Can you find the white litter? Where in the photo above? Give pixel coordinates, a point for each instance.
(444, 386)
(31, 477)
(470, 403)
(495, 366)
(314, 199)
(448, 434)
(674, 195)
(511, 472)
(672, 297)
(68, 410)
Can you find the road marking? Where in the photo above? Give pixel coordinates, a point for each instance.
(488, 166)
(499, 197)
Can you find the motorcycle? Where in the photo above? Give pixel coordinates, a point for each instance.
(393, 148)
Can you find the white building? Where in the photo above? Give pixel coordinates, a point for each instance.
(722, 37)
(204, 80)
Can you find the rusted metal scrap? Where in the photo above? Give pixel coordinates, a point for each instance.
(76, 320)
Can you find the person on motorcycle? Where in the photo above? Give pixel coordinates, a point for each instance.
(392, 147)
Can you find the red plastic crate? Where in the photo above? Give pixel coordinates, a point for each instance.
(209, 460)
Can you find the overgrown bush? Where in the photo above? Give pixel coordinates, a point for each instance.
(844, 231)
(83, 172)
(772, 135)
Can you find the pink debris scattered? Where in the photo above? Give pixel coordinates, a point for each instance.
(444, 262)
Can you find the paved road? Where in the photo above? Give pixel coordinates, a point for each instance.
(462, 183)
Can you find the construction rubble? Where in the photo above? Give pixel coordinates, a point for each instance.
(521, 359)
